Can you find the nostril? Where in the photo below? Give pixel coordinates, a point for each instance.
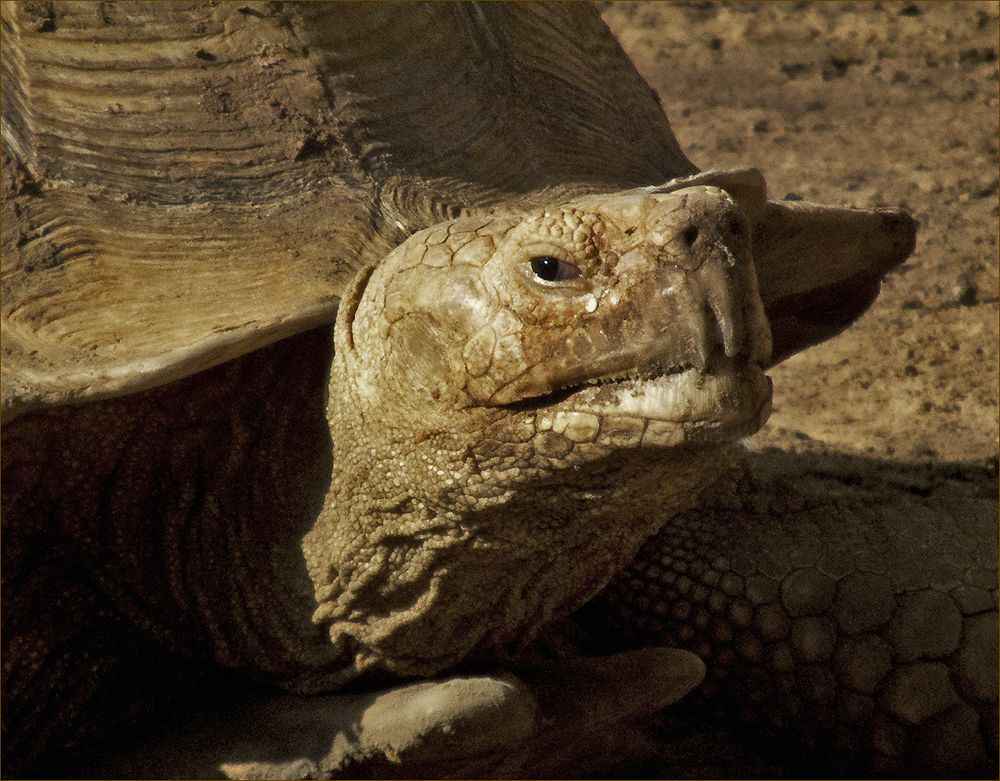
(690, 235)
(735, 226)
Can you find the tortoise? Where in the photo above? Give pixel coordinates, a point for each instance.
(550, 332)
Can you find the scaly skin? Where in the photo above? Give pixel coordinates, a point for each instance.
(849, 603)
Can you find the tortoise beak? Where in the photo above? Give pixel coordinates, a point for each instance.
(818, 267)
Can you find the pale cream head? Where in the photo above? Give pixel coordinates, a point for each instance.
(622, 290)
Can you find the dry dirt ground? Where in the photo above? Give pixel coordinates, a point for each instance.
(860, 104)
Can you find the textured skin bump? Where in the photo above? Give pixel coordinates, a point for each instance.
(849, 603)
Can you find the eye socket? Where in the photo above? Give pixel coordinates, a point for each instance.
(551, 269)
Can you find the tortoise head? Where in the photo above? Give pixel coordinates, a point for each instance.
(517, 402)
(641, 305)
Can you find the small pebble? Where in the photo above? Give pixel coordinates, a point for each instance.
(964, 292)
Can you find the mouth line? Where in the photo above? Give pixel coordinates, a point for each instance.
(648, 372)
(635, 378)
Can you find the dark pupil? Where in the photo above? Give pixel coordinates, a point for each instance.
(545, 267)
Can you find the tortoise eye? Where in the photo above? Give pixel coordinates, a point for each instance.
(552, 269)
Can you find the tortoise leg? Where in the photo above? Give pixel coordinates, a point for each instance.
(847, 603)
(113, 515)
